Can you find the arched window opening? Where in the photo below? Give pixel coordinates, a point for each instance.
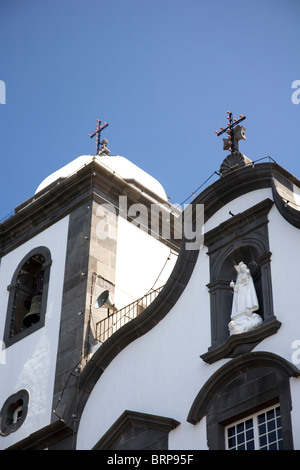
(28, 293)
(235, 246)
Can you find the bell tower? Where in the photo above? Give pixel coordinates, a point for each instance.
(74, 256)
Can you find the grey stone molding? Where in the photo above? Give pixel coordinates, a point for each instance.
(232, 369)
(51, 437)
(249, 178)
(243, 237)
(242, 386)
(136, 431)
(283, 193)
(8, 339)
(63, 196)
(243, 343)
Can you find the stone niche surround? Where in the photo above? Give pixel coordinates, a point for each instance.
(243, 237)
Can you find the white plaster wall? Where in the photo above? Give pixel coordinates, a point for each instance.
(30, 363)
(162, 372)
(237, 206)
(141, 263)
(285, 270)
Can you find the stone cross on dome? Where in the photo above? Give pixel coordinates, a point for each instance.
(101, 146)
(234, 131)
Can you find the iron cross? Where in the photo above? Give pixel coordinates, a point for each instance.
(234, 132)
(97, 133)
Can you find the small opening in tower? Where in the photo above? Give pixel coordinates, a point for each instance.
(28, 294)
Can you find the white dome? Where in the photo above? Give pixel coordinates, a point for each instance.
(119, 165)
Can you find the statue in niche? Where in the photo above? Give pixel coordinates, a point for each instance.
(244, 303)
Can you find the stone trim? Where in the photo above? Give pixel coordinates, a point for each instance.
(236, 183)
(243, 235)
(243, 343)
(282, 191)
(131, 419)
(45, 438)
(74, 314)
(232, 369)
(61, 198)
(7, 339)
(244, 386)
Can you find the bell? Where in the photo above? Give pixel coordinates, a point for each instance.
(33, 315)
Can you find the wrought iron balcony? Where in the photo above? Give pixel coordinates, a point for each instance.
(115, 320)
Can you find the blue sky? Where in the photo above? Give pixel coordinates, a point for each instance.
(162, 73)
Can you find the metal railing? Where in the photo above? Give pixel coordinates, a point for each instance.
(115, 320)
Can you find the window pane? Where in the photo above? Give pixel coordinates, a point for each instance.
(240, 427)
(249, 423)
(261, 431)
(278, 422)
(273, 446)
(271, 425)
(250, 445)
(263, 440)
(231, 442)
(272, 437)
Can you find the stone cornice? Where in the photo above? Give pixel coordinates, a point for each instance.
(45, 437)
(63, 196)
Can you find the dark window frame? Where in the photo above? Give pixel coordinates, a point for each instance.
(242, 386)
(8, 339)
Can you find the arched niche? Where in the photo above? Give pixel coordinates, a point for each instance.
(243, 237)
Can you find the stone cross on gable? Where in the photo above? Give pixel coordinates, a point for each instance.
(234, 131)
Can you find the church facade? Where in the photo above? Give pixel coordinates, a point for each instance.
(116, 336)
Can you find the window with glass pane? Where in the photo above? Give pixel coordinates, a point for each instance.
(259, 431)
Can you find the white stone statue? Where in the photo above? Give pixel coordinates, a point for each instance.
(244, 303)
